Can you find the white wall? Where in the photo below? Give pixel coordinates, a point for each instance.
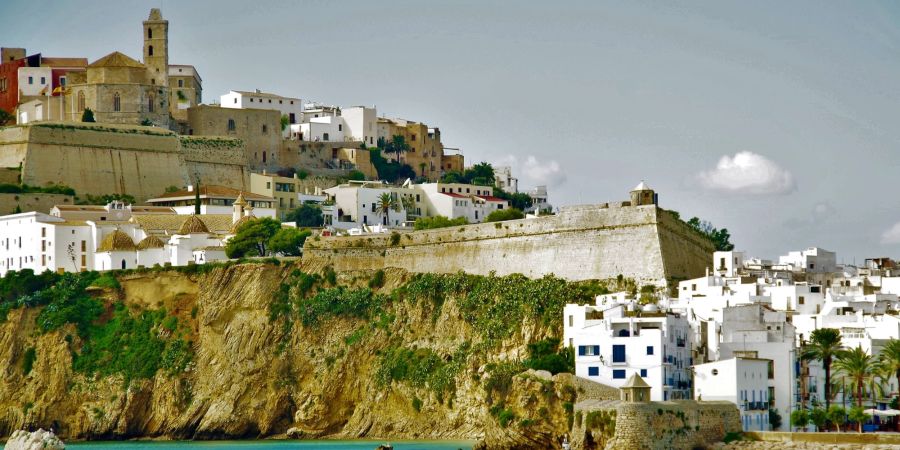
(41, 80)
(361, 124)
(741, 381)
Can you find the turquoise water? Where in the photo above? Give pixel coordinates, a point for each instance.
(270, 445)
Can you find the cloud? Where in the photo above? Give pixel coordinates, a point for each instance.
(534, 171)
(891, 236)
(747, 173)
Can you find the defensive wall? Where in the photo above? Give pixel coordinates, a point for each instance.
(40, 202)
(102, 159)
(584, 242)
(685, 424)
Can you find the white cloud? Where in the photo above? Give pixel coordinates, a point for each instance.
(747, 173)
(533, 171)
(891, 236)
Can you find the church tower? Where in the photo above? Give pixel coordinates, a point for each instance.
(156, 48)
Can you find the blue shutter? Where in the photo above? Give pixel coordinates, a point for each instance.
(596, 350)
(618, 353)
(582, 350)
(593, 371)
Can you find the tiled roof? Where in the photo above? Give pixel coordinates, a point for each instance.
(490, 198)
(212, 190)
(192, 224)
(265, 94)
(64, 62)
(80, 208)
(454, 195)
(116, 241)
(240, 222)
(211, 248)
(168, 224)
(152, 209)
(150, 242)
(116, 59)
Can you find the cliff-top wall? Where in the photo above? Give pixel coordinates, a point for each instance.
(597, 242)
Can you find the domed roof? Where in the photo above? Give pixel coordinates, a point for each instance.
(193, 224)
(240, 222)
(150, 242)
(116, 241)
(240, 200)
(642, 187)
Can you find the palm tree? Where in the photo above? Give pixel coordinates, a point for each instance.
(408, 204)
(890, 358)
(859, 366)
(386, 203)
(823, 345)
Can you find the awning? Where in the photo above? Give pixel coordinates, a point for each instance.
(882, 412)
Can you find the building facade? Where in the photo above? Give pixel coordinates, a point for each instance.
(742, 381)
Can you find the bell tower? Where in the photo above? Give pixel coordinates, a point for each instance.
(156, 48)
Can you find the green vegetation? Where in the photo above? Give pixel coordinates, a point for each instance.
(252, 238)
(800, 418)
(519, 200)
(285, 121)
(107, 280)
(422, 368)
(396, 145)
(28, 360)
(430, 223)
(210, 141)
(390, 171)
(501, 215)
(307, 215)
(356, 175)
(385, 204)
(774, 419)
(87, 115)
(824, 344)
(481, 174)
(377, 280)
(104, 199)
(546, 355)
(288, 241)
(26, 189)
(859, 367)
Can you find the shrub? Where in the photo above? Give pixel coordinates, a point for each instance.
(87, 115)
(395, 238)
(501, 215)
(421, 368)
(545, 355)
(430, 223)
(417, 404)
(28, 360)
(377, 280)
(341, 302)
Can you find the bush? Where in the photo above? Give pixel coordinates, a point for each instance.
(377, 280)
(501, 215)
(800, 418)
(28, 360)
(307, 215)
(421, 368)
(339, 302)
(356, 175)
(288, 241)
(87, 115)
(430, 223)
(545, 355)
(252, 238)
(417, 404)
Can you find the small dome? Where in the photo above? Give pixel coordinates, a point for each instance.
(116, 241)
(240, 200)
(240, 222)
(151, 242)
(642, 187)
(193, 224)
(650, 308)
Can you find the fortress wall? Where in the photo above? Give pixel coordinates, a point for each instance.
(685, 252)
(673, 425)
(103, 159)
(577, 244)
(33, 202)
(13, 146)
(217, 160)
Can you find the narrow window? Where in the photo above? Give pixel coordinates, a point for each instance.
(150, 103)
(149, 33)
(618, 353)
(43, 80)
(649, 349)
(644, 373)
(149, 53)
(181, 84)
(230, 124)
(117, 102)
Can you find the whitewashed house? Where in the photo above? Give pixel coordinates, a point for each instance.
(742, 381)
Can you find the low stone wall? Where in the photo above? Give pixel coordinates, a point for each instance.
(828, 438)
(683, 424)
(32, 202)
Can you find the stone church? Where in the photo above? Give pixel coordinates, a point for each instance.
(122, 90)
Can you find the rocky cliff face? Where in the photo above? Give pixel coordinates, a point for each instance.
(258, 371)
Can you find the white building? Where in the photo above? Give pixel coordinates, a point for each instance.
(214, 199)
(291, 107)
(757, 331)
(614, 343)
(361, 125)
(505, 181)
(454, 200)
(320, 129)
(742, 381)
(357, 204)
(811, 260)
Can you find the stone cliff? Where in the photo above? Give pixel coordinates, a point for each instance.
(271, 350)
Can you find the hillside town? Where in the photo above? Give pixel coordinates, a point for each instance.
(122, 164)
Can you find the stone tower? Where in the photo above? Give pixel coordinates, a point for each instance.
(156, 48)
(642, 195)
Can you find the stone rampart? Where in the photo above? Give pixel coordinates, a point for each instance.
(216, 160)
(643, 243)
(683, 424)
(33, 202)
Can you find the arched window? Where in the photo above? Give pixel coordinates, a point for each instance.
(149, 33)
(117, 102)
(123, 264)
(624, 333)
(150, 103)
(149, 50)
(81, 100)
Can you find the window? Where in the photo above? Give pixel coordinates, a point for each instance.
(800, 300)
(231, 125)
(43, 80)
(292, 118)
(340, 127)
(571, 320)
(149, 33)
(251, 100)
(117, 102)
(593, 371)
(619, 374)
(588, 350)
(181, 84)
(149, 50)
(324, 136)
(618, 353)
(62, 81)
(265, 129)
(235, 100)
(649, 349)
(30, 80)
(150, 103)
(644, 373)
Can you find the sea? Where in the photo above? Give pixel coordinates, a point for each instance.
(270, 445)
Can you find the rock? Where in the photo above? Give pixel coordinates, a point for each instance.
(385, 447)
(38, 440)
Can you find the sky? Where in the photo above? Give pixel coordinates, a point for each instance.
(779, 121)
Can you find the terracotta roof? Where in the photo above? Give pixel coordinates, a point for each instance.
(265, 94)
(116, 59)
(212, 190)
(490, 198)
(192, 224)
(240, 200)
(80, 208)
(454, 195)
(152, 209)
(116, 241)
(635, 382)
(150, 242)
(64, 62)
(211, 248)
(168, 224)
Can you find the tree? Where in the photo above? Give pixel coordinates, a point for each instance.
(285, 121)
(87, 115)
(430, 223)
(252, 238)
(774, 419)
(288, 241)
(824, 344)
(859, 366)
(519, 200)
(385, 204)
(501, 215)
(5, 117)
(481, 174)
(356, 175)
(307, 215)
(890, 358)
(836, 416)
(800, 418)
(408, 204)
(721, 239)
(858, 416)
(818, 417)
